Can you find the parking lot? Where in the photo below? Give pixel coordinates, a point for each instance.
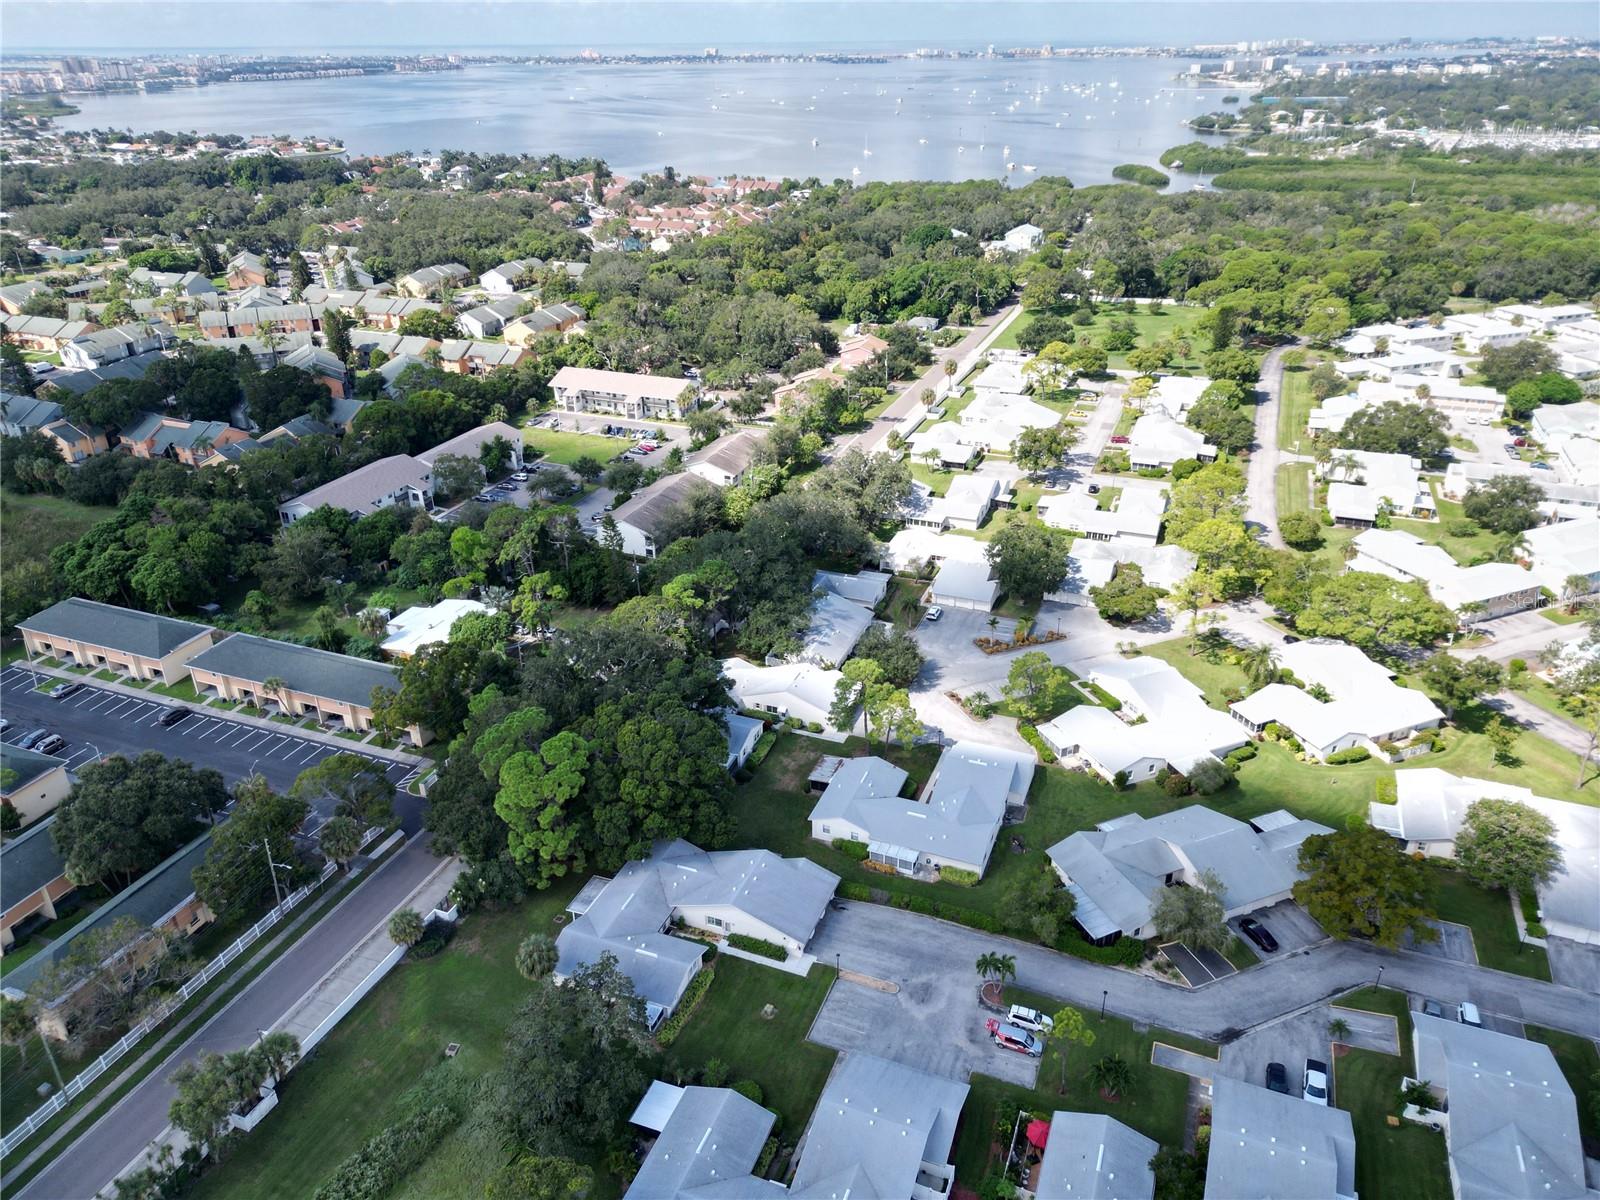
(97, 722)
(1199, 965)
(1290, 924)
(1293, 1040)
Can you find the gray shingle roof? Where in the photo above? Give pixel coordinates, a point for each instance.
(117, 628)
(28, 863)
(1092, 1157)
(302, 668)
(147, 900)
(649, 509)
(359, 491)
(1268, 1146)
(132, 367)
(27, 412)
(27, 764)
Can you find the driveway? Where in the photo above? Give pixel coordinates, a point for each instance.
(97, 722)
(1198, 966)
(1576, 964)
(1454, 943)
(1521, 635)
(1289, 923)
(1304, 1035)
(932, 1020)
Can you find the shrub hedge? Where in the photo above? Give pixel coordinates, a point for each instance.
(389, 1156)
(1352, 754)
(851, 848)
(855, 891)
(1032, 737)
(692, 995)
(958, 876)
(755, 945)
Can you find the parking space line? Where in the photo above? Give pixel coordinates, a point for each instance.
(262, 735)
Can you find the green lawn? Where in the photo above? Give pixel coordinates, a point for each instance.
(936, 478)
(1494, 930)
(1214, 678)
(1172, 322)
(1156, 1105)
(1367, 1086)
(349, 1090)
(1580, 1063)
(1465, 550)
(901, 603)
(1295, 403)
(565, 447)
(729, 1026)
(1125, 421)
(1294, 488)
(36, 525)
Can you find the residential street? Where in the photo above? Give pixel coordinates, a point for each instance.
(112, 1142)
(906, 948)
(1262, 484)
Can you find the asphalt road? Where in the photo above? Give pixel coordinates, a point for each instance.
(110, 1144)
(1262, 482)
(98, 722)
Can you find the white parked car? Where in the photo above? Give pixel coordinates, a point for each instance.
(1467, 1014)
(935, 613)
(1030, 1019)
(1314, 1088)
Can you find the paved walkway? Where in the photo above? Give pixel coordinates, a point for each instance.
(112, 1143)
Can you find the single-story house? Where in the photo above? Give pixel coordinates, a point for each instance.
(1376, 339)
(1510, 1117)
(909, 551)
(87, 633)
(650, 513)
(1175, 395)
(969, 585)
(837, 624)
(1269, 1146)
(996, 418)
(953, 823)
(1563, 550)
(1090, 564)
(866, 588)
(1367, 707)
(1362, 484)
(1022, 238)
(1480, 331)
(1164, 722)
(1492, 589)
(397, 480)
(1156, 440)
(641, 397)
(162, 899)
(725, 461)
(1117, 870)
(336, 689)
(33, 881)
(743, 734)
(1088, 1157)
(33, 784)
(801, 691)
(1135, 518)
(1430, 805)
(751, 892)
(965, 504)
(426, 625)
(1565, 500)
(880, 1129)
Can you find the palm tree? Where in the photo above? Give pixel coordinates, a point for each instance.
(1574, 589)
(931, 457)
(405, 927)
(997, 967)
(1112, 1075)
(1339, 1029)
(373, 623)
(1260, 664)
(1513, 547)
(278, 1052)
(275, 687)
(537, 956)
(340, 840)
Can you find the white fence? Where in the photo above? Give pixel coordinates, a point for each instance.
(195, 982)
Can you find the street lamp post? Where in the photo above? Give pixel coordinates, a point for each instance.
(1103, 995)
(1379, 981)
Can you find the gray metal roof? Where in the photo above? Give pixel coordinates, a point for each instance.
(302, 668)
(875, 1124)
(28, 765)
(1268, 1146)
(148, 900)
(360, 490)
(132, 367)
(713, 1136)
(27, 412)
(115, 628)
(1094, 1157)
(649, 509)
(1513, 1117)
(29, 862)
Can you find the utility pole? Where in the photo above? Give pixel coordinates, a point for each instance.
(272, 869)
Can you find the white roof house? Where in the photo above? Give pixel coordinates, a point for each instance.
(1367, 708)
(1359, 489)
(1565, 549)
(1511, 1120)
(1090, 564)
(800, 690)
(427, 625)
(1135, 518)
(398, 480)
(1430, 805)
(836, 626)
(1548, 316)
(964, 584)
(1423, 335)
(953, 822)
(1156, 440)
(725, 460)
(1092, 1157)
(1175, 394)
(965, 504)
(1000, 379)
(1178, 728)
(1268, 1146)
(1479, 331)
(1499, 588)
(1562, 499)
(1404, 360)
(1022, 238)
(997, 419)
(866, 588)
(742, 891)
(910, 548)
(1118, 870)
(1332, 413)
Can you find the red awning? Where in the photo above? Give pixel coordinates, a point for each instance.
(1038, 1133)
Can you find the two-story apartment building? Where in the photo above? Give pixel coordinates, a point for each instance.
(396, 480)
(87, 633)
(641, 397)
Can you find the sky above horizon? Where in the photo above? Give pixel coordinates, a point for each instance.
(133, 26)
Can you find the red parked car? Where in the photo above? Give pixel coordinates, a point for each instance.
(1120, 439)
(1009, 1037)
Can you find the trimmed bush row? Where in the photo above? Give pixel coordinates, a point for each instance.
(958, 876)
(1352, 754)
(692, 995)
(755, 945)
(1033, 738)
(855, 891)
(851, 848)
